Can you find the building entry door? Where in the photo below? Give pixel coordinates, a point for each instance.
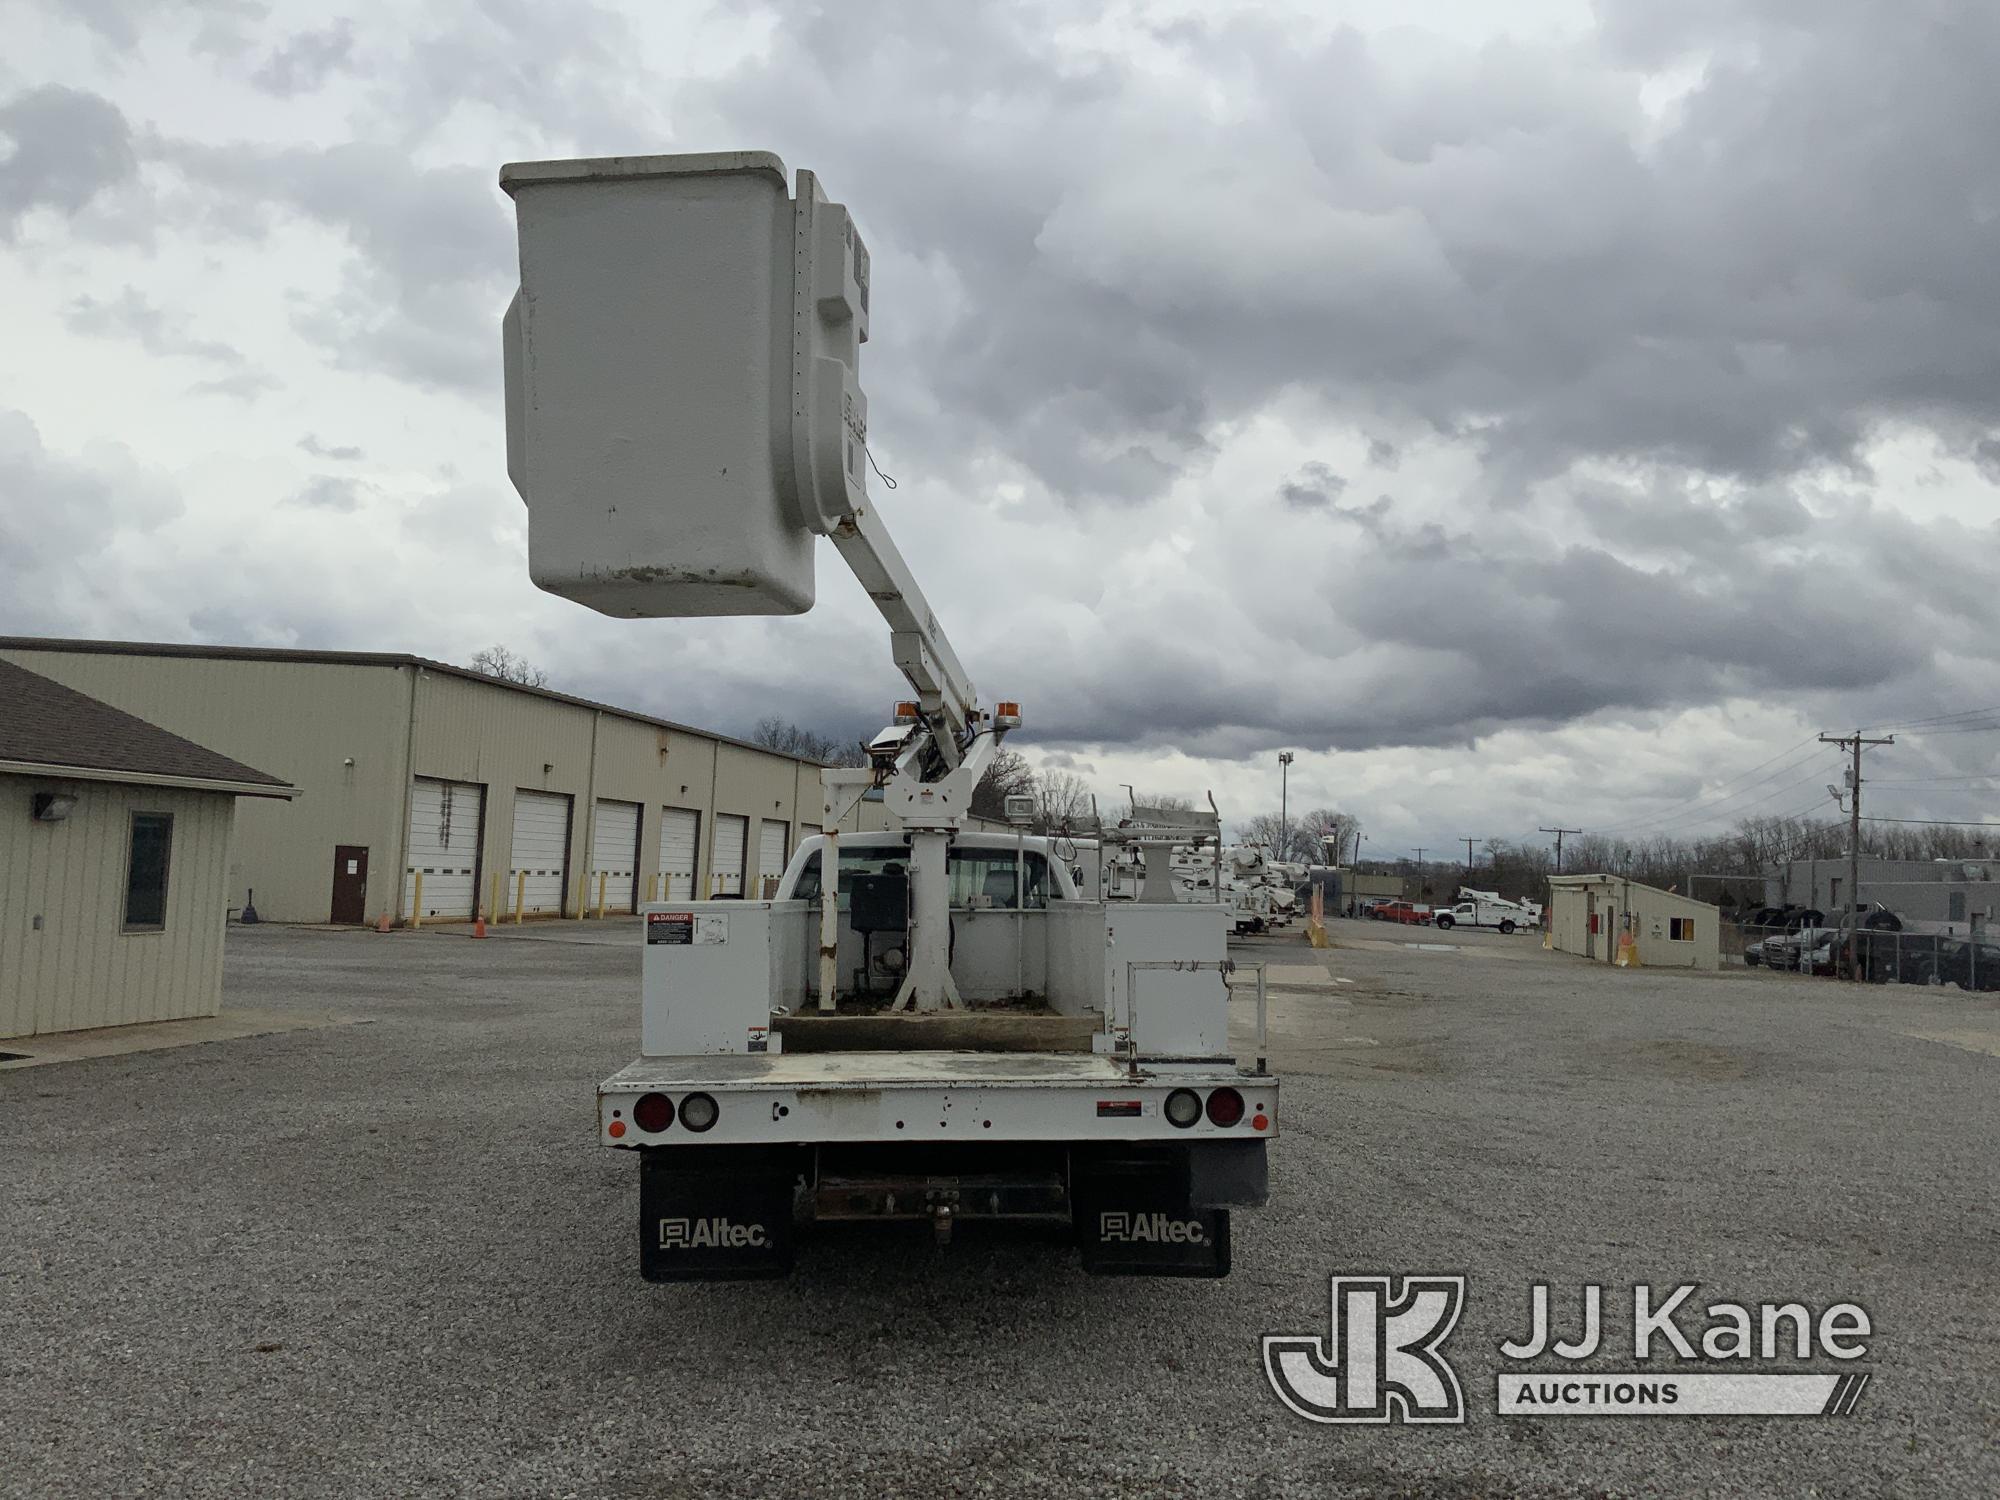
(350, 885)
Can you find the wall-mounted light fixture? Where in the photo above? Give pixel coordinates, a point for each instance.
(52, 807)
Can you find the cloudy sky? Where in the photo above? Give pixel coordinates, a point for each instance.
(1530, 413)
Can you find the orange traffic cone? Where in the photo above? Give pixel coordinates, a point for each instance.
(479, 924)
(382, 923)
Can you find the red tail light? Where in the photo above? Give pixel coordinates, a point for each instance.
(653, 1113)
(1225, 1107)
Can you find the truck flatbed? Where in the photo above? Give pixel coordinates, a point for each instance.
(932, 1096)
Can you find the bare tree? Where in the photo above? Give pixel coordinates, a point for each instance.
(1322, 835)
(498, 661)
(788, 738)
(1065, 800)
(1008, 774)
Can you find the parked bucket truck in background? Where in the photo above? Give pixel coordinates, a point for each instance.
(924, 1024)
(1487, 909)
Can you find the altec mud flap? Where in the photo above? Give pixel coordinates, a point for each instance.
(716, 1213)
(1149, 1210)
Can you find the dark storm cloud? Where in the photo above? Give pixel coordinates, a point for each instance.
(1493, 242)
(332, 492)
(243, 385)
(220, 28)
(60, 530)
(1314, 487)
(571, 73)
(338, 452)
(64, 147)
(131, 315)
(1625, 367)
(303, 63)
(1428, 636)
(432, 250)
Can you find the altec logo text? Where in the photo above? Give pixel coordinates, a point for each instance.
(1382, 1362)
(1118, 1228)
(710, 1234)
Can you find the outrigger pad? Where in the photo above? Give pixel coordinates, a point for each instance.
(716, 1213)
(1134, 1215)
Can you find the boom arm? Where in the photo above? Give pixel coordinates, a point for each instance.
(944, 692)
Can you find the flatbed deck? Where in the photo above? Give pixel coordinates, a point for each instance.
(930, 1096)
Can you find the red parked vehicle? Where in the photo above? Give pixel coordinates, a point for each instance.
(1405, 912)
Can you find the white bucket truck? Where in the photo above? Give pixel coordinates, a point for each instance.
(922, 1024)
(1487, 909)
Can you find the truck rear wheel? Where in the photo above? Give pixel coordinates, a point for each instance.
(1507, 924)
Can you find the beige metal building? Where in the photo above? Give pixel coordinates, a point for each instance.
(114, 860)
(1589, 915)
(426, 789)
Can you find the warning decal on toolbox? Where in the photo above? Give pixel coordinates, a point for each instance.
(686, 927)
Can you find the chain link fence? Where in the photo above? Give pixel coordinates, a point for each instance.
(1970, 962)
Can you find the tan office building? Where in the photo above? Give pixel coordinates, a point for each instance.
(1590, 915)
(114, 860)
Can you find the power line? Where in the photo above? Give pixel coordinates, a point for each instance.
(1934, 822)
(1932, 780)
(1674, 829)
(1856, 742)
(1708, 801)
(1963, 713)
(1559, 832)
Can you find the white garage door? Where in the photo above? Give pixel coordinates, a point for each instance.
(541, 853)
(725, 866)
(770, 856)
(614, 855)
(680, 837)
(444, 846)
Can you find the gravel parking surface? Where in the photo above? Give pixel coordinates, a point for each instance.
(387, 1259)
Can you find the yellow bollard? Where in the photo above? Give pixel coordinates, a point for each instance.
(520, 894)
(417, 901)
(493, 900)
(582, 897)
(653, 890)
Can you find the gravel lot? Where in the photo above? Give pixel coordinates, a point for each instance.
(386, 1259)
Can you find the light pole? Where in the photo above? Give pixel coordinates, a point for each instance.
(1284, 822)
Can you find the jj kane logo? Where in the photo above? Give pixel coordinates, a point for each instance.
(1380, 1362)
(1382, 1359)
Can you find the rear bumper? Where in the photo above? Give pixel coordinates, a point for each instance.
(1132, 1208)
(818, 1098)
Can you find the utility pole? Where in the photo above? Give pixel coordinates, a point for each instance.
(1856, 744)
(1420, 869)
(1559, 832)
(1284, 821)
(1468, 853)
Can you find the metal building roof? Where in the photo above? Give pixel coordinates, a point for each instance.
(49, 729)
(371, 659)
